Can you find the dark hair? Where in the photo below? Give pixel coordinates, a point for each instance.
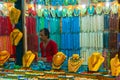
(46, 32)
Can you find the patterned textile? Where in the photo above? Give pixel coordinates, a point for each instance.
(113, 22)
(112, 41)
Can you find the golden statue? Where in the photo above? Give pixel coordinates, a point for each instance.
(95, 61)
(15, 36)
(58, 59)
(28, 59)
(4, 56)
(115, 65)
(74, 63)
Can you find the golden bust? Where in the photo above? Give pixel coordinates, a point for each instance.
(15, 36)
(115, 65)
(58, 59)
(4, 56)
(95, 61)
(28, 58)
(74, 63)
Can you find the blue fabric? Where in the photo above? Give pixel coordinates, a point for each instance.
(106, 21)
(118, 41)
(105, 40)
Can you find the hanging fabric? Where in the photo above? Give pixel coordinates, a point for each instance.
(112, 41)
(114, 22)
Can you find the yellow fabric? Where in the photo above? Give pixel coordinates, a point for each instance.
(95, 61)
(58, 59)
(4, 56)
(115, 65)
(28, 58)
(14, 15)
(15, 36)
(74, 63)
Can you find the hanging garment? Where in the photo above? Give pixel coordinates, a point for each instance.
(6, 45)
(5, 25)
(106, 21)
(32, 42)
(31, 25)
(112, 41)
(114, 22)
(105, 40)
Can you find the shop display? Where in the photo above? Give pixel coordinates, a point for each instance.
(4, 56)
(28, 59)
(74, 63)
(95, 61)
(115, 65)
(15, 36)
(85, 31)
(58, 59)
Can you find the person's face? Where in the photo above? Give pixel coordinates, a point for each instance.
(43, 37)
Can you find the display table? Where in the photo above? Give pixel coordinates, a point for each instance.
(51, 75)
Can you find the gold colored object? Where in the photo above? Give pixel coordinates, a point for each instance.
(58, 59)
(4, 56)
(74, 63)
(14, 15)
(95, 61)
(28, 58)
(115, 65)
(15, 36)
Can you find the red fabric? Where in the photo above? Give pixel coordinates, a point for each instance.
(49, 51)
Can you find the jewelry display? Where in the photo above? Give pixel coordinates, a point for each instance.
(115, 65)
(74, 63)
(4, 56)
(28, 59)
(58, 60)
(95, 61)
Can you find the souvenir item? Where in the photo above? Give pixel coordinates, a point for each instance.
(95, 61)
(58, 60)
(28, 59)
(115, 65)
(74, 63)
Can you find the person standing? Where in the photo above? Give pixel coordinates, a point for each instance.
(48, 47)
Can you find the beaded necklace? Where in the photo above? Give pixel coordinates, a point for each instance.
(106, 10)
(69, 12)
(64, 12)
(91, 10)
(66, 2)
(76, 12)
(114, 9)
(53, 13)
(99, 10)
(83, 11)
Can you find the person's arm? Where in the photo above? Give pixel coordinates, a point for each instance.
(55, 48)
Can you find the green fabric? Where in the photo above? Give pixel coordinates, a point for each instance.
(19, 47)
